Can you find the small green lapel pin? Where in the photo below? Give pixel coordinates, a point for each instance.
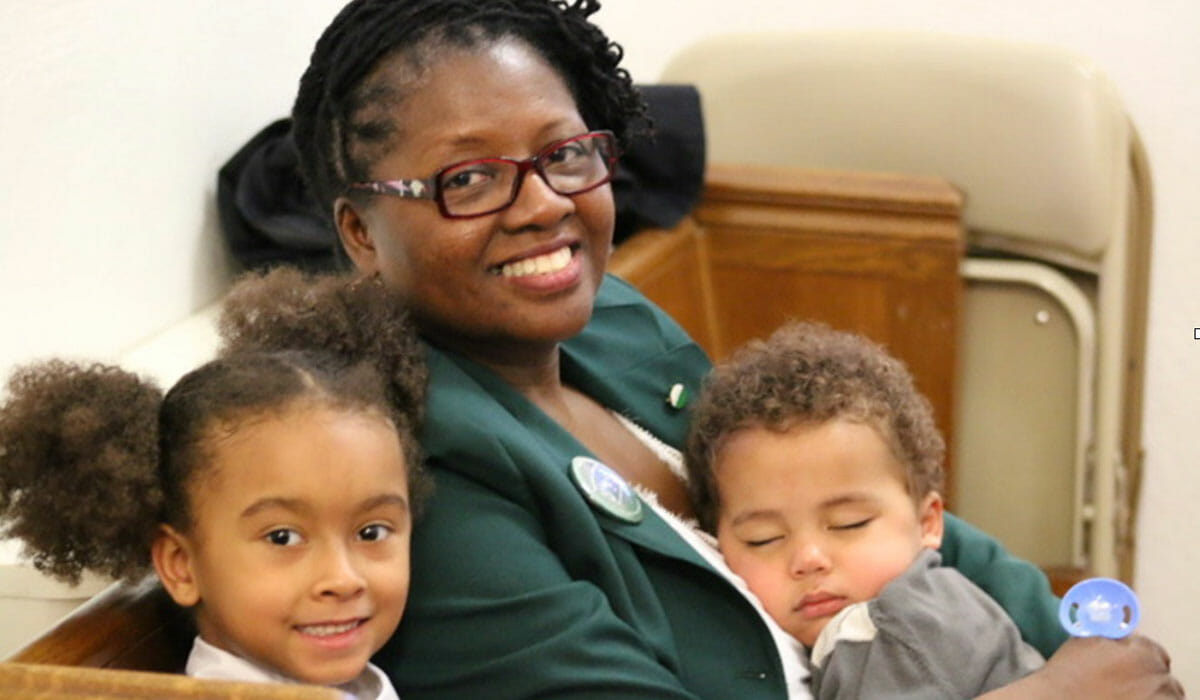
(678, 396)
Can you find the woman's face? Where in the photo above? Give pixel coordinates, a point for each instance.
(526, 275)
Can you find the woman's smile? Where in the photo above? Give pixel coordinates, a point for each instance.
(548, 273)
(540, 264)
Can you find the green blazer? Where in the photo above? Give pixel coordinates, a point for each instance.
(522, 588)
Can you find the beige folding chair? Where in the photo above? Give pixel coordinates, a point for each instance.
(1058, 222)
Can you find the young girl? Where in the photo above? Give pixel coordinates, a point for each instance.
(272, 492)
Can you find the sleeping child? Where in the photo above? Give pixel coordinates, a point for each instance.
(818, 467)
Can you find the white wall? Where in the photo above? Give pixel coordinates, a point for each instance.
(114, 117)
(115, 114)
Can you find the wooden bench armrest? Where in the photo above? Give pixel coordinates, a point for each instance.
(125, 626)
(19, 681)
(836, 190)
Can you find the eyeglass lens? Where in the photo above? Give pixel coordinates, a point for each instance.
(488, 184)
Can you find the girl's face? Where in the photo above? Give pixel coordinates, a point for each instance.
(816, 518)
(459, 274)
(298, 558)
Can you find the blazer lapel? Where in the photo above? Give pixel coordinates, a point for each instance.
(627, 361)
(559, 447)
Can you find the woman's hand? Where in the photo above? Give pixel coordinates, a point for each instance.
(1128, 669)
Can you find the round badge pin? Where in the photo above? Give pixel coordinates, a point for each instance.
(1099, 607)
(606, 490)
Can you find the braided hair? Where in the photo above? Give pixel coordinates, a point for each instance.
(94, 458)
(340, 122)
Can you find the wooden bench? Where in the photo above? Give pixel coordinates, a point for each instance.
(129, 641)
(21, 681)
(869, 252)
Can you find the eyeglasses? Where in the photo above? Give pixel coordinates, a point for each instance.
(487, 185)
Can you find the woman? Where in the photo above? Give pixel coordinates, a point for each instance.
(461, 147)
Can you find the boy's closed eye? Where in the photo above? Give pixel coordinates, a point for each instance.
(842, 526)
(763, 541)
(854, 525)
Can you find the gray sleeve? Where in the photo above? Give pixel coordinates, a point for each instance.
(931, 634)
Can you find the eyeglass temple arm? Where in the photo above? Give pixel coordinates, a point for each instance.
(408, 189)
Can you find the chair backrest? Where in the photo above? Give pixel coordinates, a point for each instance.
(975, 111)
(1053, 176)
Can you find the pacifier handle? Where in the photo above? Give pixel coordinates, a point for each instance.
(1099, 607)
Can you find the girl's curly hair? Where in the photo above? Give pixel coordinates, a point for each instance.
(808, 373)
(93, 458)
(341, 123)
(351, 318)
(78, 468)
(345, 315)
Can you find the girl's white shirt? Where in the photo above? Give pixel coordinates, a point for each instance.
(792, 655)
(208, 661)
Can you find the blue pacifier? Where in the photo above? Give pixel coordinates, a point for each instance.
(1099, 607)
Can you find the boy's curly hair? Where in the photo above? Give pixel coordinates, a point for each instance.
(341, 122)
(94, 458)
(808, 373)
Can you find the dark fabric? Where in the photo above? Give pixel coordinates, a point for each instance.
(659, 179)
(268, 217)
